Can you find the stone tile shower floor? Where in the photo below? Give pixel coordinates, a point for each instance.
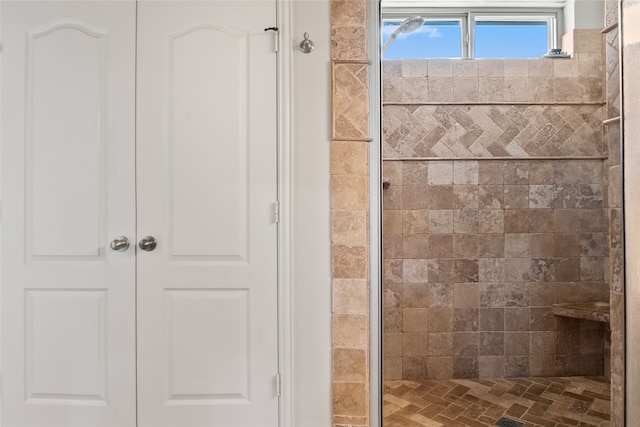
(547, 402)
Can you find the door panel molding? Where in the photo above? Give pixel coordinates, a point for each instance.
(212, 312)
(57, 199)
(219, 119)
(74, 374)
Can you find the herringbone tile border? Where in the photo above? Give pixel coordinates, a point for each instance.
(459, 131)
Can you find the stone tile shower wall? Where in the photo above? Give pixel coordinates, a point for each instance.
(613, 202)
(494, 212)
(476, 253)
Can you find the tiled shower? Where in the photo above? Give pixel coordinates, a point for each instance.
(501, 204)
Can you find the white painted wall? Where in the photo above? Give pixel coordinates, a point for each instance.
(583, 14)
(311, 281)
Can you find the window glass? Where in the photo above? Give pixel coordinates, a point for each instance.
(434, 39)
(510, 38)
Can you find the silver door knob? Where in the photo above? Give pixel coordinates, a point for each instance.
(120, 244)
(148, 243)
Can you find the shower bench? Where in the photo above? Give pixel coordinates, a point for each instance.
(596, 311)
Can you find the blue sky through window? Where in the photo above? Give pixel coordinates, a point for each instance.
(435, 39)
(511, 40)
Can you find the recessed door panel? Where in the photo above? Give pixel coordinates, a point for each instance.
(65, 108)
(66, 345)
(206, 109)
(207, 346)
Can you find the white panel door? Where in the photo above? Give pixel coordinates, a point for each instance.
(206, 176)
(68, 175)
(202, 175)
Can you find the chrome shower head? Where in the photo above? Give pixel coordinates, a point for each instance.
(409, 25)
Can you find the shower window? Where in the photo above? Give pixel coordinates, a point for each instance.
(512, 36)
(494, 33)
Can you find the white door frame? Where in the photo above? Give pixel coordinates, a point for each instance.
(285, 295)
(285, 237)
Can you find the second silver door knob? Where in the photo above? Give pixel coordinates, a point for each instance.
(148, 243)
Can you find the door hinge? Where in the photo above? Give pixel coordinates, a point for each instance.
(276, 212)
(276, 37)
(278, 384)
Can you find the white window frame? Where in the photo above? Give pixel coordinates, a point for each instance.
(468, 17)
(550, 17)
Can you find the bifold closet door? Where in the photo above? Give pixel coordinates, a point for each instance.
(68, 190)
(154, 120)
(206, 150)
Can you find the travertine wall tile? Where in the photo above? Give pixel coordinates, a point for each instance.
(414, 367)
(393, 89)
(392, 222)
(414, 173)
(349, 227)
(615, 187)
(349, 398)
(350, 331)
(348, 13)
(474, 293)
(349, 42)
(423, 81)
(491, 67)
(411, 68)
(349, 192)
(351, 296)
(414, 90)
(517, 67)
(587, 41)
(350, 262)
(566, 68)
(466, 88)
(591, 65)
(346, 158)
(541, 69)
(391, 368)
(440, 68)
(350, 365)
(583, 41)
(465, 69)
